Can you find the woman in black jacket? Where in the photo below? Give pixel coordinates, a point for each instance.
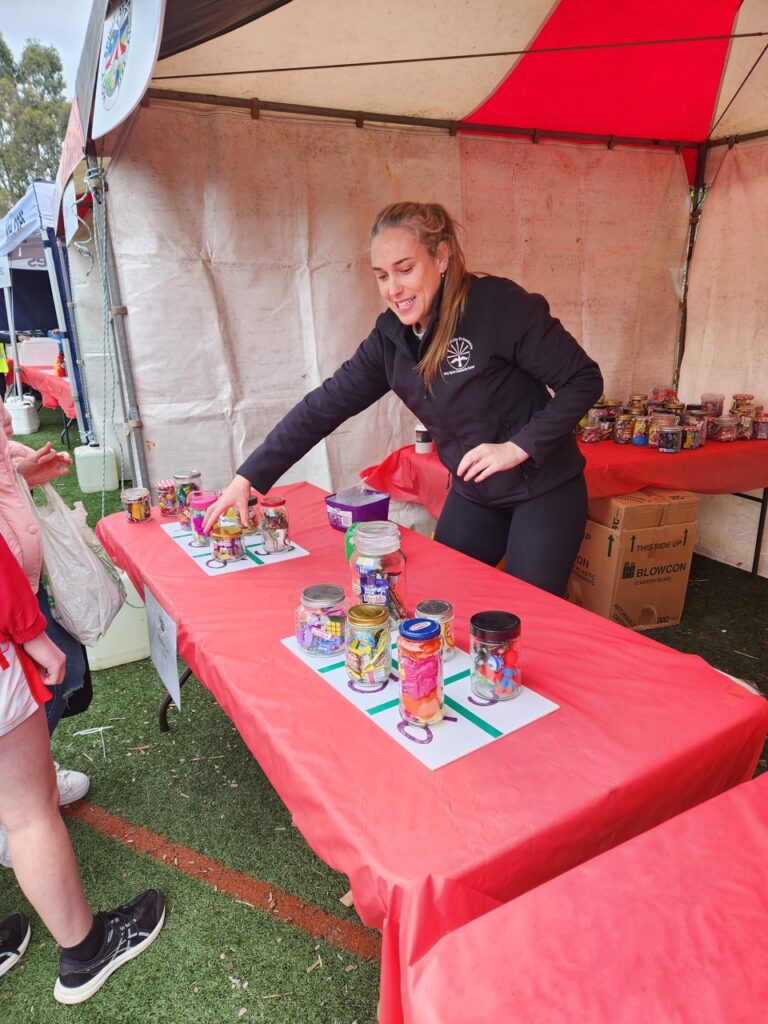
(484, 366)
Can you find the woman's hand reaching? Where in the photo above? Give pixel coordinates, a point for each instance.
(43, 465)
(234, 495)
(487, 459)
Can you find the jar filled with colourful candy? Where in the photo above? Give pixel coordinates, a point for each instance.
(640, 431)
(321, 620)
(694, 433)
(659, 420)
(761, 427)
(166, 497)
(440, 612)
(722, 428)
(378, 568)
(185, 483)
(670, 440)
(136, 505)
(622, 430)
(420, 670)
(494, 651)
(273, 523)
(368, 651)
(199, 503)
(227, 543)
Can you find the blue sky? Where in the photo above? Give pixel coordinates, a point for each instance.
(59, 23)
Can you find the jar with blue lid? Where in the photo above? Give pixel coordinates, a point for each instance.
(420, 670)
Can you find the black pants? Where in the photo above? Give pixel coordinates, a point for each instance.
(539, 538)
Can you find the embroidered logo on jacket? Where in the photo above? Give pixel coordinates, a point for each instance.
(458, 356)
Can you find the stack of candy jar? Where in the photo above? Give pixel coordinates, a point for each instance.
(368, 653)
(321, 620)
(273, 523)
(440, 612)
(378, 568)
(185, 483)
(420, 669)
(166, 497)
(199, 503)
(494, 651)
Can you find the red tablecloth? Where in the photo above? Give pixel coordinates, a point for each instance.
(611, 469)
(670, 927)
(643, 732)
(55, 391)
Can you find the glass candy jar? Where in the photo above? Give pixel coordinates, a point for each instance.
(227, 543)
(440, 612)
(185, 483)
(321, 620)
(378, 568)
(199, 503)
(274, 525)
(368, 650)
(420, 669)
(494, 651)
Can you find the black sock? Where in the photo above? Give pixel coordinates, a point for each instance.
(91, 944)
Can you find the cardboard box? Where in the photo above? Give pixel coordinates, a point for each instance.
(637, 575)
(652, 506)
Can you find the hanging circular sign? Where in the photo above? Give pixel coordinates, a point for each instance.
(115, 52)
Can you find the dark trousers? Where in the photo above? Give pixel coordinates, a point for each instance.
(538, 538)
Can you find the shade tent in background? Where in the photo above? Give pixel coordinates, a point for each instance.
(36, 286)
(566, 138)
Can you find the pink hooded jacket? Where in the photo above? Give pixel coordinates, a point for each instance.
(17, 524)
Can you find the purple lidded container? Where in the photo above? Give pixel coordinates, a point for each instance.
(356, 505)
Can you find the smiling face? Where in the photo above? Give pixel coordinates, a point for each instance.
(408, 274)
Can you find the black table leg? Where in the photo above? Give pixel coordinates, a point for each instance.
(168, 700)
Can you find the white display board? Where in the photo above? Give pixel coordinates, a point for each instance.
(162, 645)
(255, 556)
(469, 723)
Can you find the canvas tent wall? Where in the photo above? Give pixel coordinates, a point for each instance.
(560, 135)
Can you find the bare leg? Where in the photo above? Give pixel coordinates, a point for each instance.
(43, 858)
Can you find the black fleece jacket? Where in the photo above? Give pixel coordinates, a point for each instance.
(507, 350)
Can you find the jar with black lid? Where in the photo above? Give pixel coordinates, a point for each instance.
(494, 651)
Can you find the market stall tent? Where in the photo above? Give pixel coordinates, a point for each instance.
(567, 138)
(36, 286)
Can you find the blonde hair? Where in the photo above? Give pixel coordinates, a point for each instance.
(432, 224)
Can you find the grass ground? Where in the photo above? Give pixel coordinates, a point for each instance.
(240, 950)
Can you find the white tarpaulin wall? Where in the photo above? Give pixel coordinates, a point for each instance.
(241, 248)
(727, 339)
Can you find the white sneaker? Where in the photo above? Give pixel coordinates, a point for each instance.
(72, 785)
(5, 853)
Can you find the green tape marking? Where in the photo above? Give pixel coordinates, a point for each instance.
(384, 707)
(330, 668)
(465, 713)
(457, 677)
(253, 558)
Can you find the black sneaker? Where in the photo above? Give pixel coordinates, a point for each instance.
(128, 931)
(14, 939)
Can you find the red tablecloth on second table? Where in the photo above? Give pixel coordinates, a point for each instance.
(643, 732)
(611, 469)
(55, 391)
(669, 928)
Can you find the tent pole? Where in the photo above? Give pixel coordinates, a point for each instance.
(14, 342)
(122, 370)
(698, 193)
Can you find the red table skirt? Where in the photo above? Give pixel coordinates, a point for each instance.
(670, 927)
(611, 469)
(55, 391)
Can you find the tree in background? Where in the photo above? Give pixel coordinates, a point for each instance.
(33, 118)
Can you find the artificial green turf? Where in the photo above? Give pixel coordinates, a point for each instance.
(215, 960)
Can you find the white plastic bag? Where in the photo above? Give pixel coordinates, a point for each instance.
(83, 586)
